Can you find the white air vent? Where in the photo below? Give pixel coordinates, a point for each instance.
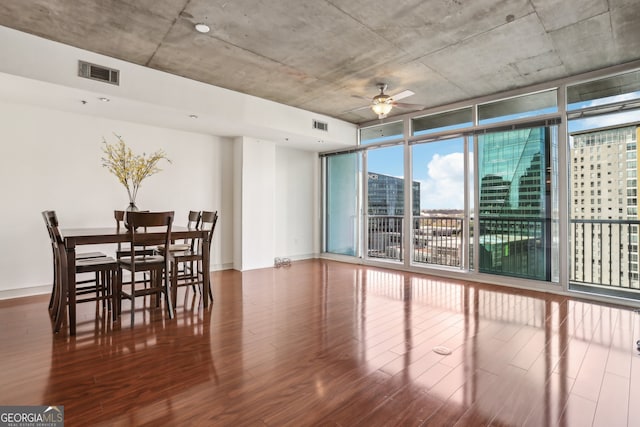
(98, 72)
(320, 125)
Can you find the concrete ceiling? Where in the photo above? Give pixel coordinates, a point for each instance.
(326, 56)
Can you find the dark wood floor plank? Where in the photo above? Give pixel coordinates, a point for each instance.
(325, 343)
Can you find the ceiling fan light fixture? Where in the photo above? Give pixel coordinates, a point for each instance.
(382, 105)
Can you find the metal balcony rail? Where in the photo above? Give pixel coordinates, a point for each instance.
(514, 246)
(385, 236)
(438, 240)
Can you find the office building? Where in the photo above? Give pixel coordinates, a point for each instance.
(604, 165)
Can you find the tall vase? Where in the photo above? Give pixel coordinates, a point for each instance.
(131, 208)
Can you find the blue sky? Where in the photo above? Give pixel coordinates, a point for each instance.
(438, 166)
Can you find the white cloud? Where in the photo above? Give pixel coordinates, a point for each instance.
(612, 119)
(444, 187)
(611, 99)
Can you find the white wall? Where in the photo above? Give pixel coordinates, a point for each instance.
(51, 160)
(258, 204)
(296, 203)
(275, 188)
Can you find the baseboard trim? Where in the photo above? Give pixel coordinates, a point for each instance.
(46, 289)
(25, 292)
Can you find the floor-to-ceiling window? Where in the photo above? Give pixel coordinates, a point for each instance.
(342, 229)
(514, 236)
(439, 225)
(440, 167)
(604, 126)
(539, 186)
(385, 202)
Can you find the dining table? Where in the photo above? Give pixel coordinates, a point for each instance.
(73, 237)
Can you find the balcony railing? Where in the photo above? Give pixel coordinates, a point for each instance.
(385, 237)
(604, 253)
(518, 247)
(438, 240)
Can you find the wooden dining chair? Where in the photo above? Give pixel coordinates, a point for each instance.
(193, 222)
(50, 216)
(190, 260)
(124, 250)
(140, 259)
(101, 288)
(184, 270)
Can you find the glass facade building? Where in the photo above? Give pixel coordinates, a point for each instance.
(514, 203)
(386, 195)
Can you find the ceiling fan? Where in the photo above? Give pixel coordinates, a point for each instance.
(381, 104)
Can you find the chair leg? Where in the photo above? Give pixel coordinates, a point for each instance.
(53, 287)
(133, 299)
(55, 300)
(174, 283)
(118, 296)
(100, 275)
(114, 294)
(157, 283)
(108, 296)
(168, 296)
(59, 306)
(202, 281)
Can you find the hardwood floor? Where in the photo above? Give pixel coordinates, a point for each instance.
(331, 344)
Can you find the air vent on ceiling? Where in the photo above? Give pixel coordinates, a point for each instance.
(98, 72)
(320, 125)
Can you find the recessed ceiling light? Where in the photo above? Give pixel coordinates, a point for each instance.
(202, 28)
(103, 99)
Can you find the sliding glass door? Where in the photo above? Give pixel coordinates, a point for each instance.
(438, 228)
(514, 179)
(341, 204)
(385, 197)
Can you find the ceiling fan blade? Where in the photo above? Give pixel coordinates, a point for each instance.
(356, 109)
(401, 95)
(409, 106)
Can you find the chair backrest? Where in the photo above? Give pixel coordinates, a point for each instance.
(194, 219)
(57, 244)
(193, 223)
(208, 221)
(121, 249)
(49, 219)
(119, 217)
(145, 220)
